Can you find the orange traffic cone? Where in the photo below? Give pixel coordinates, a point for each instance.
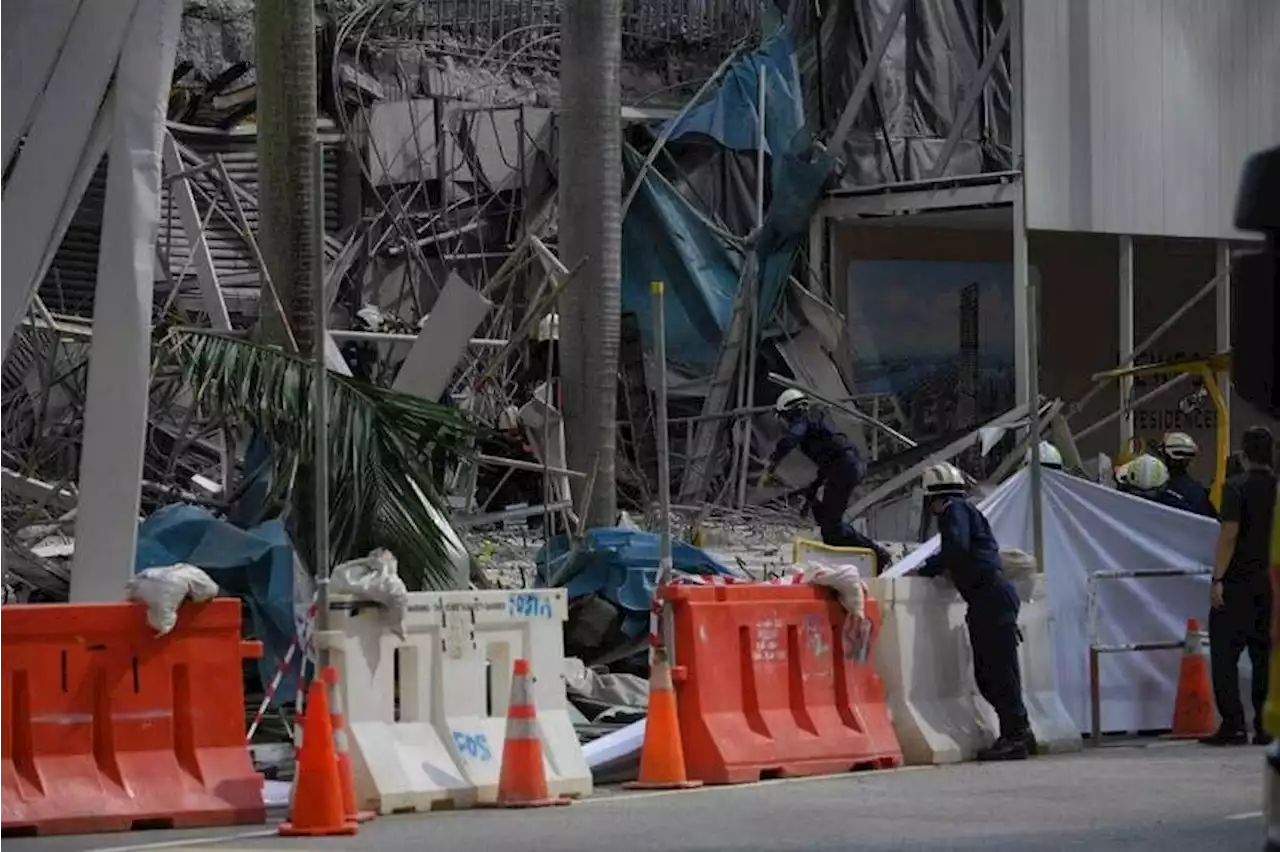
(522, 781)
(338, 718)
(1193, 707)
(316, 810)
(662, 754)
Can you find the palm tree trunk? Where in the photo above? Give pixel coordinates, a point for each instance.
(591, 234)
(286, 83)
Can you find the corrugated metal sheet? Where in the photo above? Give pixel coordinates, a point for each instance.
(68, 287)
(1140, 114)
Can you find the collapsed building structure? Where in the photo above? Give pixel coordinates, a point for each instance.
(788, 172)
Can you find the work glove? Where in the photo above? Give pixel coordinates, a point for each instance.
(767, 477)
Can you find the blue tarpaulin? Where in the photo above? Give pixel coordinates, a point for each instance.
(255, 565)
(729, 117)
(663, 240)
(621, 566)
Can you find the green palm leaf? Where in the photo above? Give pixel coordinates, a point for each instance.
(381, 492)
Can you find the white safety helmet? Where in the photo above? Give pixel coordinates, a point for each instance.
(370, 317)
(509, 419)
(942, 478)
(790, 400)
(1179, 445)
(548, 328)
(1049, 456)
(1146, 473)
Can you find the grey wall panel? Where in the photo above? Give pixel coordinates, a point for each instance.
(1140, 113)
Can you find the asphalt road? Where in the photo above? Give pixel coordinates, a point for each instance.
(1160, 798)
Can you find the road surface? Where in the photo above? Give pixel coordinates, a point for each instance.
(1160, 797)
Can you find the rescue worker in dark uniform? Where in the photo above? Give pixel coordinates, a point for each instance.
(840, 469)
(970, 557)
(1148, 478)
(1178, 450)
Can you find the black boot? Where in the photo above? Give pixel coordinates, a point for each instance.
(1033, 748)
(1226, 737)
(1005, 748)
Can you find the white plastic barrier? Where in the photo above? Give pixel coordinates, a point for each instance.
(922, 655)
(924, 659)
(1055, 730)
(451, 675)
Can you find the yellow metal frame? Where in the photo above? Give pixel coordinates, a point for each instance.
(802, 544)
(1208, 369)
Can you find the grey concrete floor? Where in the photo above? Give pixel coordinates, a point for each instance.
(1162, 798)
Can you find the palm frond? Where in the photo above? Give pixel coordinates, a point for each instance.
(381, 444)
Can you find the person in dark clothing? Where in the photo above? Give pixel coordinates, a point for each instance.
(840, 469)
(1148, 477)
(1178, 450)
(1240, 618)
(1235, 465)
(970, 557)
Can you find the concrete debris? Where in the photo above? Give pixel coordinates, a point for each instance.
(441, 269)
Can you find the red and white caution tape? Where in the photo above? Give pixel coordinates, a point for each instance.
(794, 579)
(281, 669)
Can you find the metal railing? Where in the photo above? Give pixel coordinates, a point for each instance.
(1096, 650)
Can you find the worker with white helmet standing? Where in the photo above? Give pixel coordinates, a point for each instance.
(1049, 456)
(970, 556)
(1178, 450)
(840, 469)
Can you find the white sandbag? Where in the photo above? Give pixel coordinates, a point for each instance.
(1020, 568)
(374, 578)
(164, 588)
(844, 579)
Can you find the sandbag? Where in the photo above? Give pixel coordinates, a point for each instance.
(375, 578)
(164, 588)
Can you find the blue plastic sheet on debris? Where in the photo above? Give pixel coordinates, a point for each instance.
(729, 116)
(255, 565)
(621, 566)
(664, 240)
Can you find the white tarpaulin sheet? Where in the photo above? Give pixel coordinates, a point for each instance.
(1088, 529)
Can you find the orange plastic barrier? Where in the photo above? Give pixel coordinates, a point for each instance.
(769, 685)
(108, 727)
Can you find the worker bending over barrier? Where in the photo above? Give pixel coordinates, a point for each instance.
(970, 557)
(840, 469)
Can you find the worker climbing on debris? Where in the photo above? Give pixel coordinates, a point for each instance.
(970, 556)
(840, 469)
(1148, 477)
(1049, 456)
(1178, 450)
